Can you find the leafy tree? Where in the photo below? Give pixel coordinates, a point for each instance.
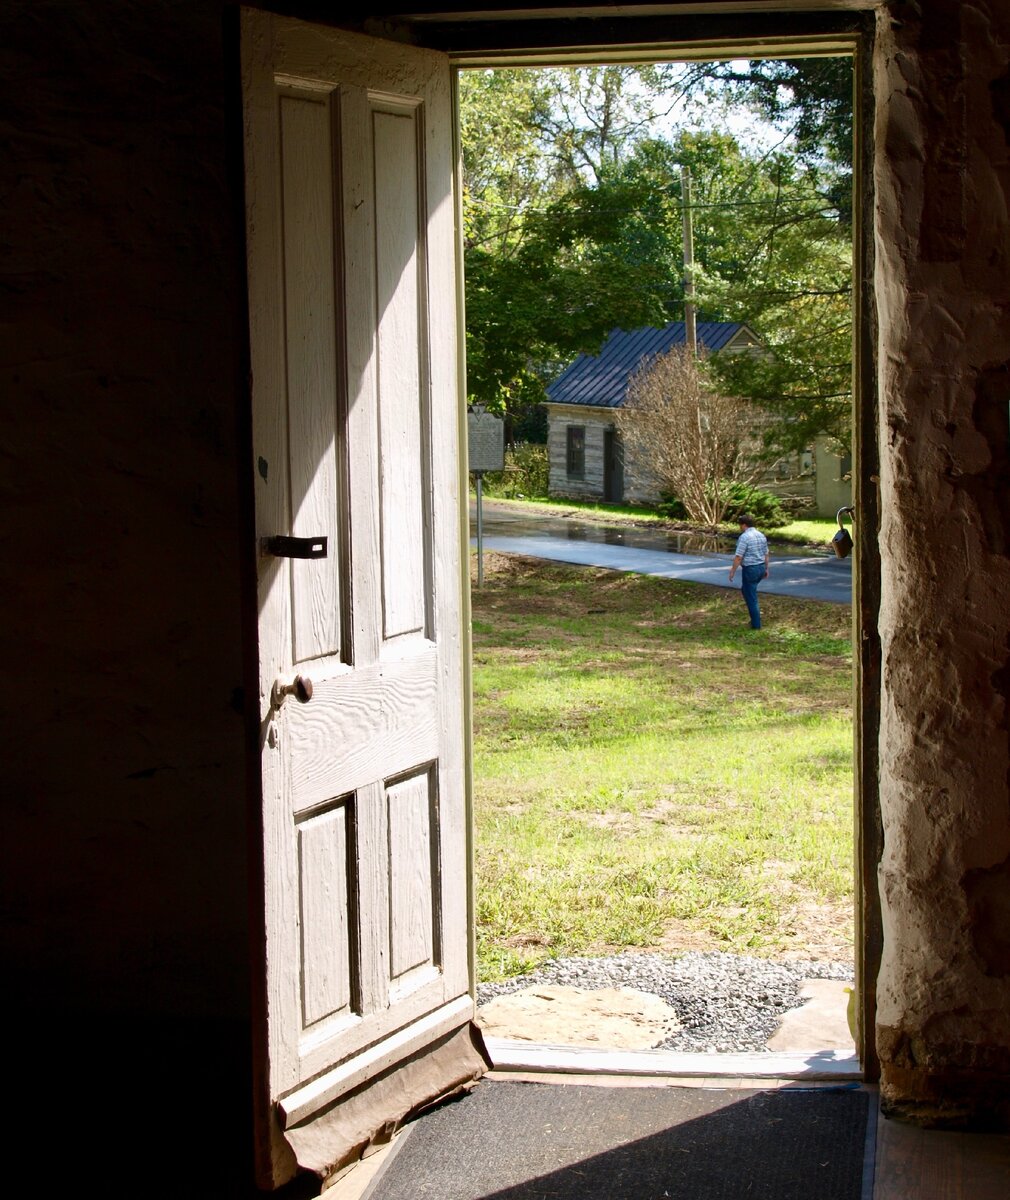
(505, 172)
(573, 227)
(596, 258)
(793, 286)
(550, 268)
(770, 252)
(800, 304)
(598, 115)
(810, 100)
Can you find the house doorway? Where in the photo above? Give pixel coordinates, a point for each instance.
(612, 486)
(613, 467)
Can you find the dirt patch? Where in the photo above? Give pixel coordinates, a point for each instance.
(821, 932)
(661, 810)
(680, 936)
(818, 931)
(619, 821)
(523, 941)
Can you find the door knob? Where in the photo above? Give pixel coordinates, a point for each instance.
(300, 687)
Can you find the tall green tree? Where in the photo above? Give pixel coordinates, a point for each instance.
(809, 100)
(588, 262)
(555, 252)
(798, 299)
(505, 168)
(597, 116)
(796, 288)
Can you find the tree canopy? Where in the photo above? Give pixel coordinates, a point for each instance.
(573, 227)
(809, 99)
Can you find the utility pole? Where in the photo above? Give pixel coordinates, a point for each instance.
(690, 322)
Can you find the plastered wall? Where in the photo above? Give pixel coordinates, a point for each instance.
(942, 79)
(124, 847)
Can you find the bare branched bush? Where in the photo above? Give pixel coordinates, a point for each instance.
(684, 434)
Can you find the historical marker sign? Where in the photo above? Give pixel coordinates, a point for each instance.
(485, 441)
(486, 446)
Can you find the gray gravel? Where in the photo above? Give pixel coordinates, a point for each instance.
(725, 1002)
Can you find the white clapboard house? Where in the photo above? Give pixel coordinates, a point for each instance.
(587, 457)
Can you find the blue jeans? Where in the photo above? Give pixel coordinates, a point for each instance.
(751, 576)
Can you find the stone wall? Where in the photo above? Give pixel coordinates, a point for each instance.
(942, 79)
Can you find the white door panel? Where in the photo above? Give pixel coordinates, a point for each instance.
(356, 417)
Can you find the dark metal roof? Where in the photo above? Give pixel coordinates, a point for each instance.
(601, 380)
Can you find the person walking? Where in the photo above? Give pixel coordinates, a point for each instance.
(751, 557)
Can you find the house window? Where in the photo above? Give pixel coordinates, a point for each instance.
(576, 457)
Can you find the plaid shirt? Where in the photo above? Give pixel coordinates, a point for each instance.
(752, 547)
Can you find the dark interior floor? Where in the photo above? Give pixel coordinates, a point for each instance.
(897, 1161)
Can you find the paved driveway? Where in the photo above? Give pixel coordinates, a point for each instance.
(811, 576)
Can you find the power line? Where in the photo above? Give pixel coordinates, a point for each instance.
(471, 201)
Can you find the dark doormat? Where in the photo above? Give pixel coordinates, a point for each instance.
(536, 1141)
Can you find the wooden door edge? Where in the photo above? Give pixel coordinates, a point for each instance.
(329, 1140)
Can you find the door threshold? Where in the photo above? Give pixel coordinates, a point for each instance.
(805, 1065)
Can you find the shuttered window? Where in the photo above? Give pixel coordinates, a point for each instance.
(576, 451)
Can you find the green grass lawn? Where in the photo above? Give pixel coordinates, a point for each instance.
(589, 509)
(816, 531)
(649, 772)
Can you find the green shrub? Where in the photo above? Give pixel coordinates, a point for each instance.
(526, 474)
(670, 506)
(765, 507)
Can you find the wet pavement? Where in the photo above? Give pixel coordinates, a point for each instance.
(797, 571)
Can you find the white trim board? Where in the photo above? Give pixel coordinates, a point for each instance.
(509, 1055)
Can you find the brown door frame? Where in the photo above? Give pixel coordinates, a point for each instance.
(707, 30)
(869, 834)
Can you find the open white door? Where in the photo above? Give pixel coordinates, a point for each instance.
(356, 418)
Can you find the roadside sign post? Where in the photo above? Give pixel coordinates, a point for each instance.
(486, 447)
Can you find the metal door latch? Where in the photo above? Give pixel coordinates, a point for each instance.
(294, 547)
